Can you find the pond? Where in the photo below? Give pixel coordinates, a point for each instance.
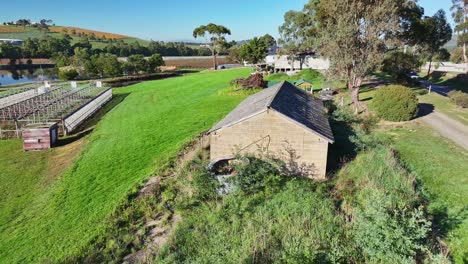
(10, 77)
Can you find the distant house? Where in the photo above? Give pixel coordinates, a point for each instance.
(283, 63)
(16, 42)
(282, 121)
(270, 58)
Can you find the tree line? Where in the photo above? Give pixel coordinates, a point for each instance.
(49, 47)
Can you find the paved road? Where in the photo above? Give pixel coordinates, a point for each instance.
(445, 126)
(440, 89)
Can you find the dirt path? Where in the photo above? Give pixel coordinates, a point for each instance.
(445, 126)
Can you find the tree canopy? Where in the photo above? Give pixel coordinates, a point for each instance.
(437, 32)
(254, 51)
(353, 35)
(216, 34)
(460, 14)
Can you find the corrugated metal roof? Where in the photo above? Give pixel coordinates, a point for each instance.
(287, 100)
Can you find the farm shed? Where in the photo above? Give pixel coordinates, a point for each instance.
(301, 83)
(39, 136)
(283, 121)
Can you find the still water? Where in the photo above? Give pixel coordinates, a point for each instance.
(9, 77)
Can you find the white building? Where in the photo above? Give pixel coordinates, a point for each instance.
(17, 42)
(282, 63)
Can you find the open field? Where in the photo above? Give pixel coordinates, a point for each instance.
(11, 29)
(136, 139)
(14, 32)
(194, 63)
(98, 34)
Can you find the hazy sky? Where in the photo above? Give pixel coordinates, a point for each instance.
(168, 19)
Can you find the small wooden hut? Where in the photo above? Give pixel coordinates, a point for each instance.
(39, 136)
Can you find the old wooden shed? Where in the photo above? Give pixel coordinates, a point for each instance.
(282, 121)
(39, 136)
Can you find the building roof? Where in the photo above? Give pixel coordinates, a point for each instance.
(288, 100)
(301, 81)
(272, 50)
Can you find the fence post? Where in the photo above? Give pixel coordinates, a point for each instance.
(16, 125)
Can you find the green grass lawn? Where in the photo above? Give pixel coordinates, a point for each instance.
(317, 79)
(441, 167)
(135, 140)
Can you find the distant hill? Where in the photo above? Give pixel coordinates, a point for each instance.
(452, 44)
(19, 32)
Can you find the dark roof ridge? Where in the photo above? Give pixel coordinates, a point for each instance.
(281, 85)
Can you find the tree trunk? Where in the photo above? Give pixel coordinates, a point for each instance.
(429, 69)
(354, 92)
(215, 66)
(354, 84)
(465, 58)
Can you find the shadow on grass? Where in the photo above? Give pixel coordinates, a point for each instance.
(424, 109)
(89, 124)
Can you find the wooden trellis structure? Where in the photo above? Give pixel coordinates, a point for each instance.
(49, 105)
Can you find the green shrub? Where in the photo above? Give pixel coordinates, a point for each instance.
(388, 221)
(459, 98)
(254, 175)
(395, 103)
(296, 224)
(399, 64)
(70, 74)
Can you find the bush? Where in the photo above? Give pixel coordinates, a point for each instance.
(254, 175)
(70, 74)
(399, 64)
(395, 103)
(459, 98)
(253, 81)
(387, 216)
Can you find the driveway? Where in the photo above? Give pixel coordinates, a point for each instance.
(440, 89)
(444, 125)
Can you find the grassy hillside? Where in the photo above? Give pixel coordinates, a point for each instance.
(443, 174)
(15, 32)
(136, 139)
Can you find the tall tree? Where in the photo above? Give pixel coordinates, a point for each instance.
(253, 51)
(353, 35)
(268, 40)
(44, 25)
(460, 15)
(297, 33)
(23, 22)
(437, 32)
(216, 34)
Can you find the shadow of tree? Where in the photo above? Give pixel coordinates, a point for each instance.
(343, 149)
(424, 109)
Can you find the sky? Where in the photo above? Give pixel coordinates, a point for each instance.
(169, 20)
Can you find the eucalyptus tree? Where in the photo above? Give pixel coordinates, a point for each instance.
(216, 34)
(437, 32)
(297, 33)
(460, 15)
(354, 35)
